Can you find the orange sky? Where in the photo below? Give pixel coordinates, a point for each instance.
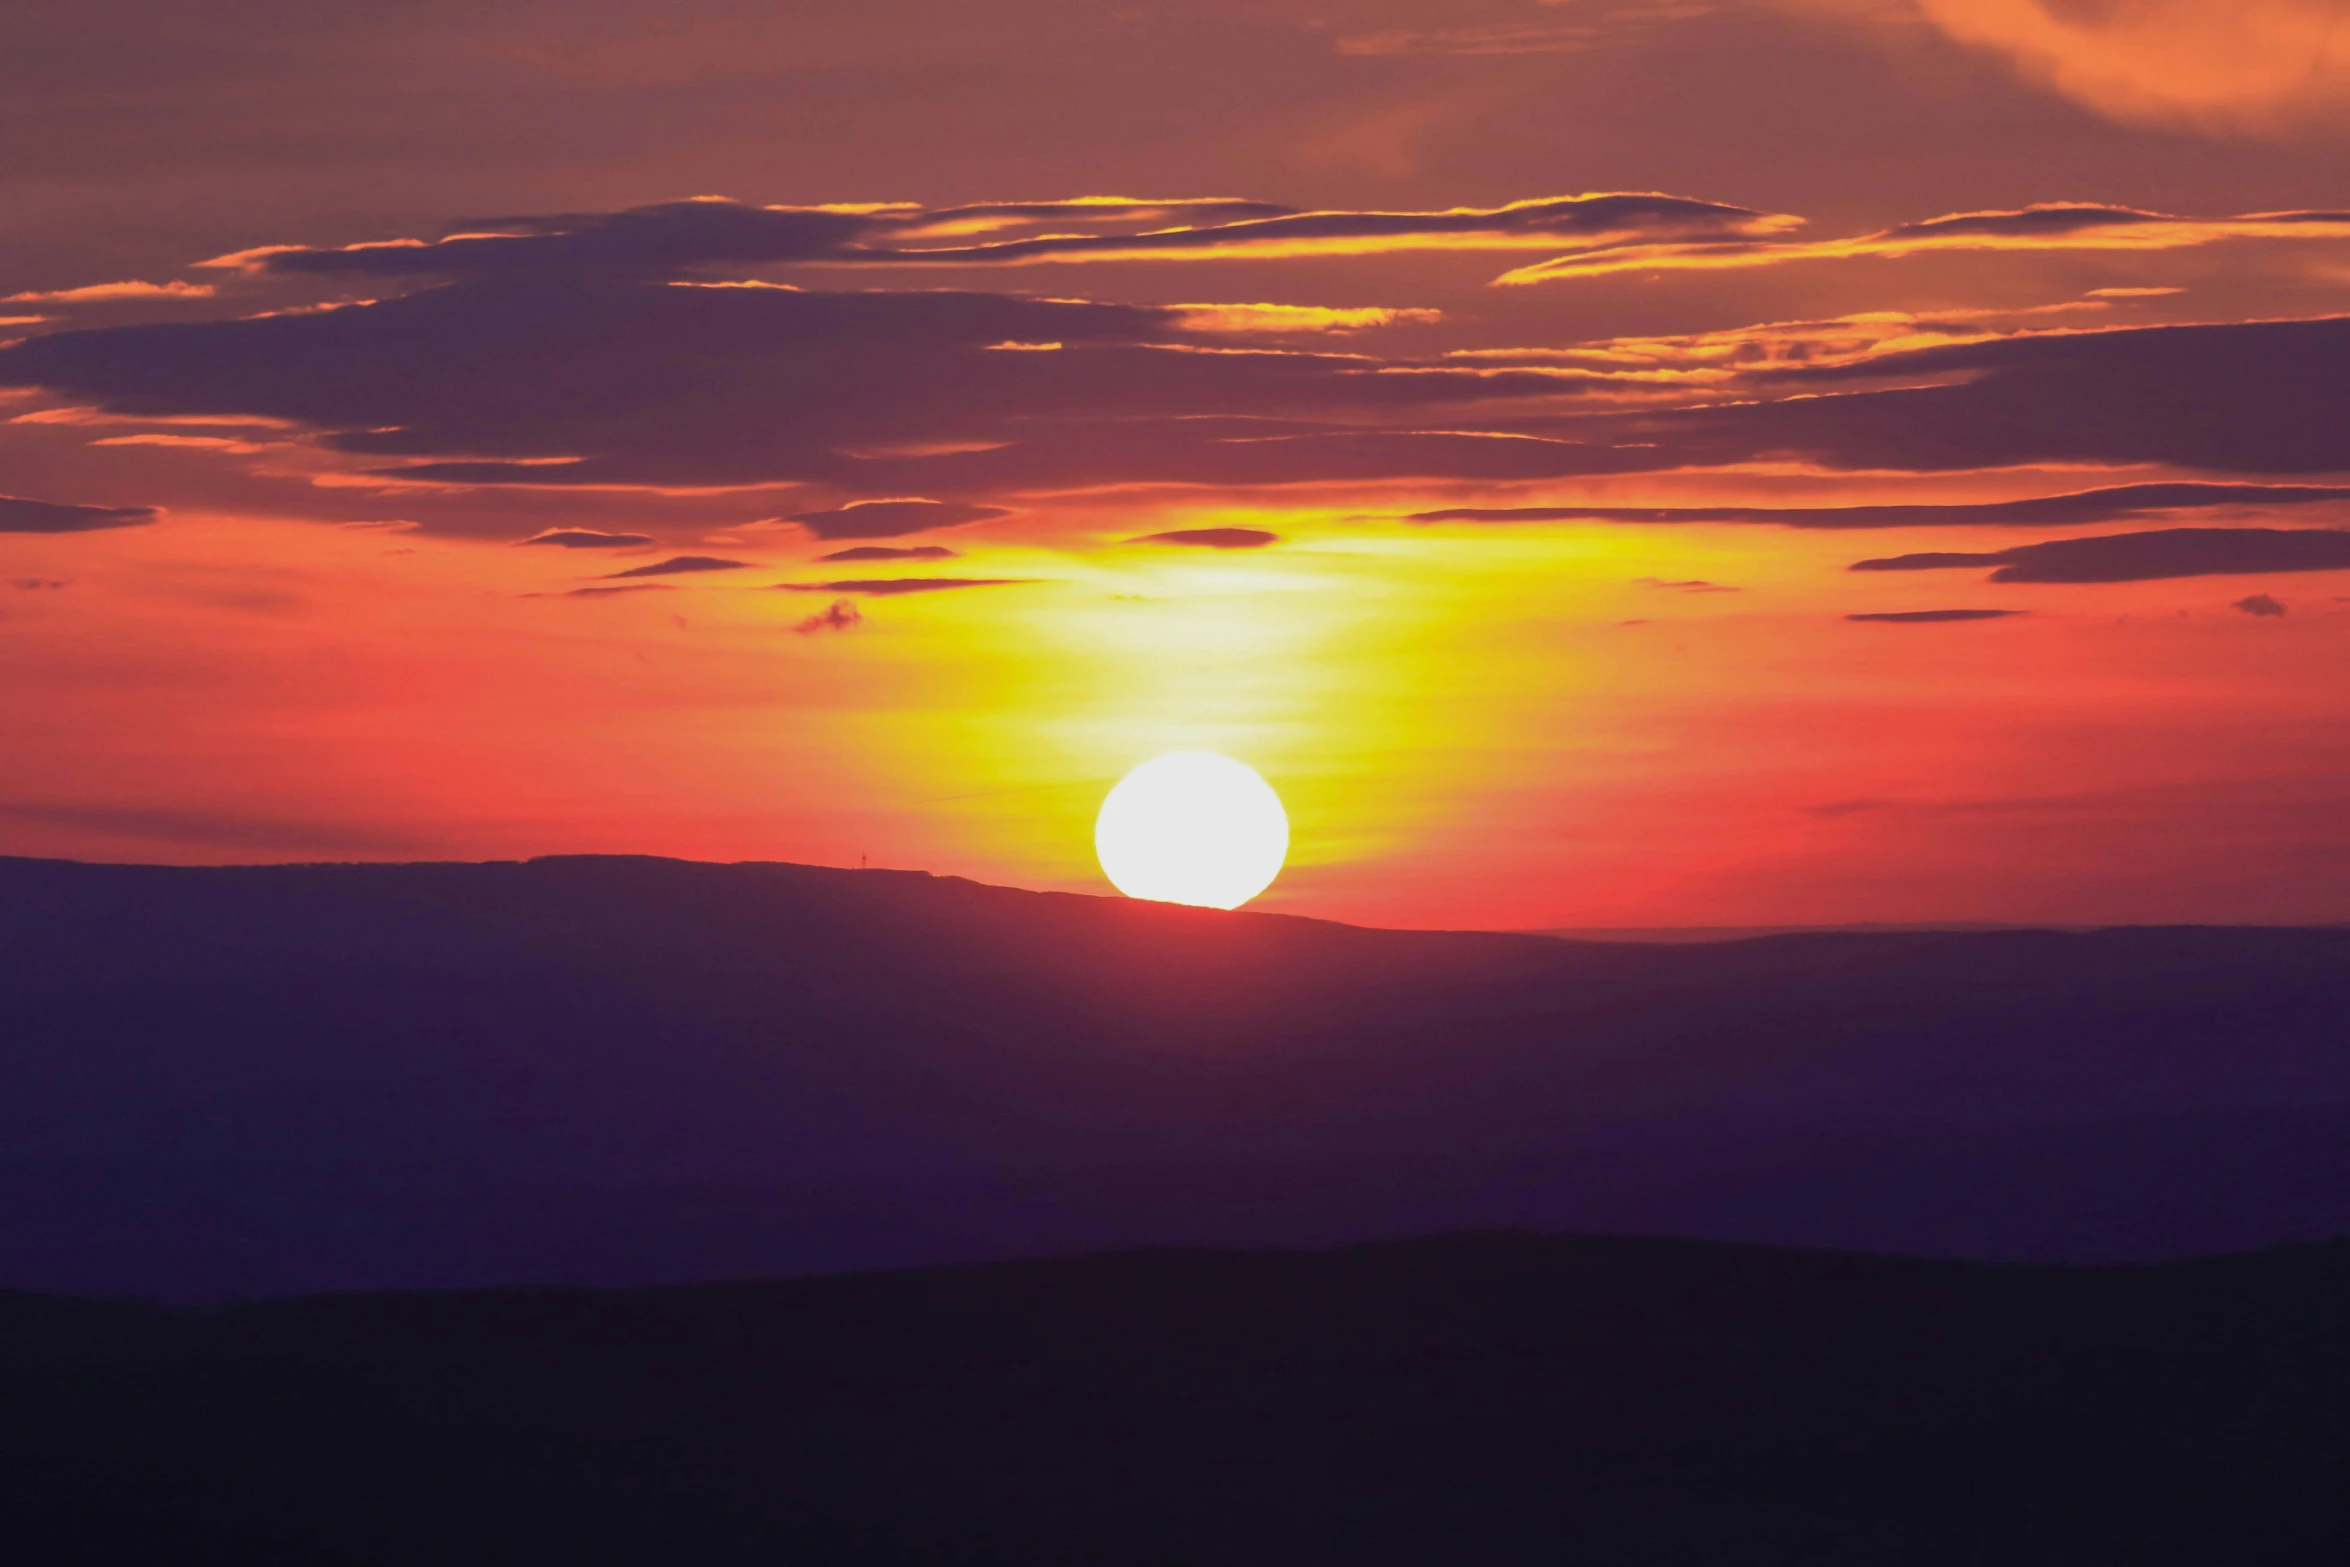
(1779, 268)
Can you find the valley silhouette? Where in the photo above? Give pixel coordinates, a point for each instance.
(1490, 1399)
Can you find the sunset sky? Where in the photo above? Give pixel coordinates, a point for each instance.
(1695, 462)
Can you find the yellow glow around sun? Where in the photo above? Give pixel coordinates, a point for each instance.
(1192, 827)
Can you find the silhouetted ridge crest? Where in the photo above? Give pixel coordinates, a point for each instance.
(260, 1080)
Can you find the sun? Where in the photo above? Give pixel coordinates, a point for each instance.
(1192, 827)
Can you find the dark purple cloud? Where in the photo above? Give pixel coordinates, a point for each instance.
(1930, 560)
(672, 239)
(2247, 397)
(964, 397)
(2056, 223)
(1566, 222)
(885, 394)
(886, 552)
(1935, 617)
(2261, 604)
(663, 241)
(2053, 227)
(605, 593)
(675, 240)
(1212, 538)
(2054, 219)
(588, 539)
(885, 587)
(2148, 557)
(839, 615)
(2114, 504)
(682, 565)
(23, 516)
(892, 519)
(210, 829)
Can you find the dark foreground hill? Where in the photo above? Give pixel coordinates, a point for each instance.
(280, 1079)
(1480, 1401)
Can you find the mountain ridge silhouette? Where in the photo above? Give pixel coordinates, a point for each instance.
(246, 1081)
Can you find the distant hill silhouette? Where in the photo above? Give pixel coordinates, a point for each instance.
(1475, 1401)
(222, 1082)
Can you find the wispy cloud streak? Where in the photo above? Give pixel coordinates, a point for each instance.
(2148, 557)
(2050, 227)
(675, 240)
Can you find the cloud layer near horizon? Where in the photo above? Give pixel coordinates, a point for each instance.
(926, 393)
(2147, 557)
(959, 397)
(2053, 226)
(1591, 235)
(18, 515)
(2114, 504)
(678, 240)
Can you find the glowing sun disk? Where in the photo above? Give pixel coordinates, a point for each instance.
(1192, 827)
